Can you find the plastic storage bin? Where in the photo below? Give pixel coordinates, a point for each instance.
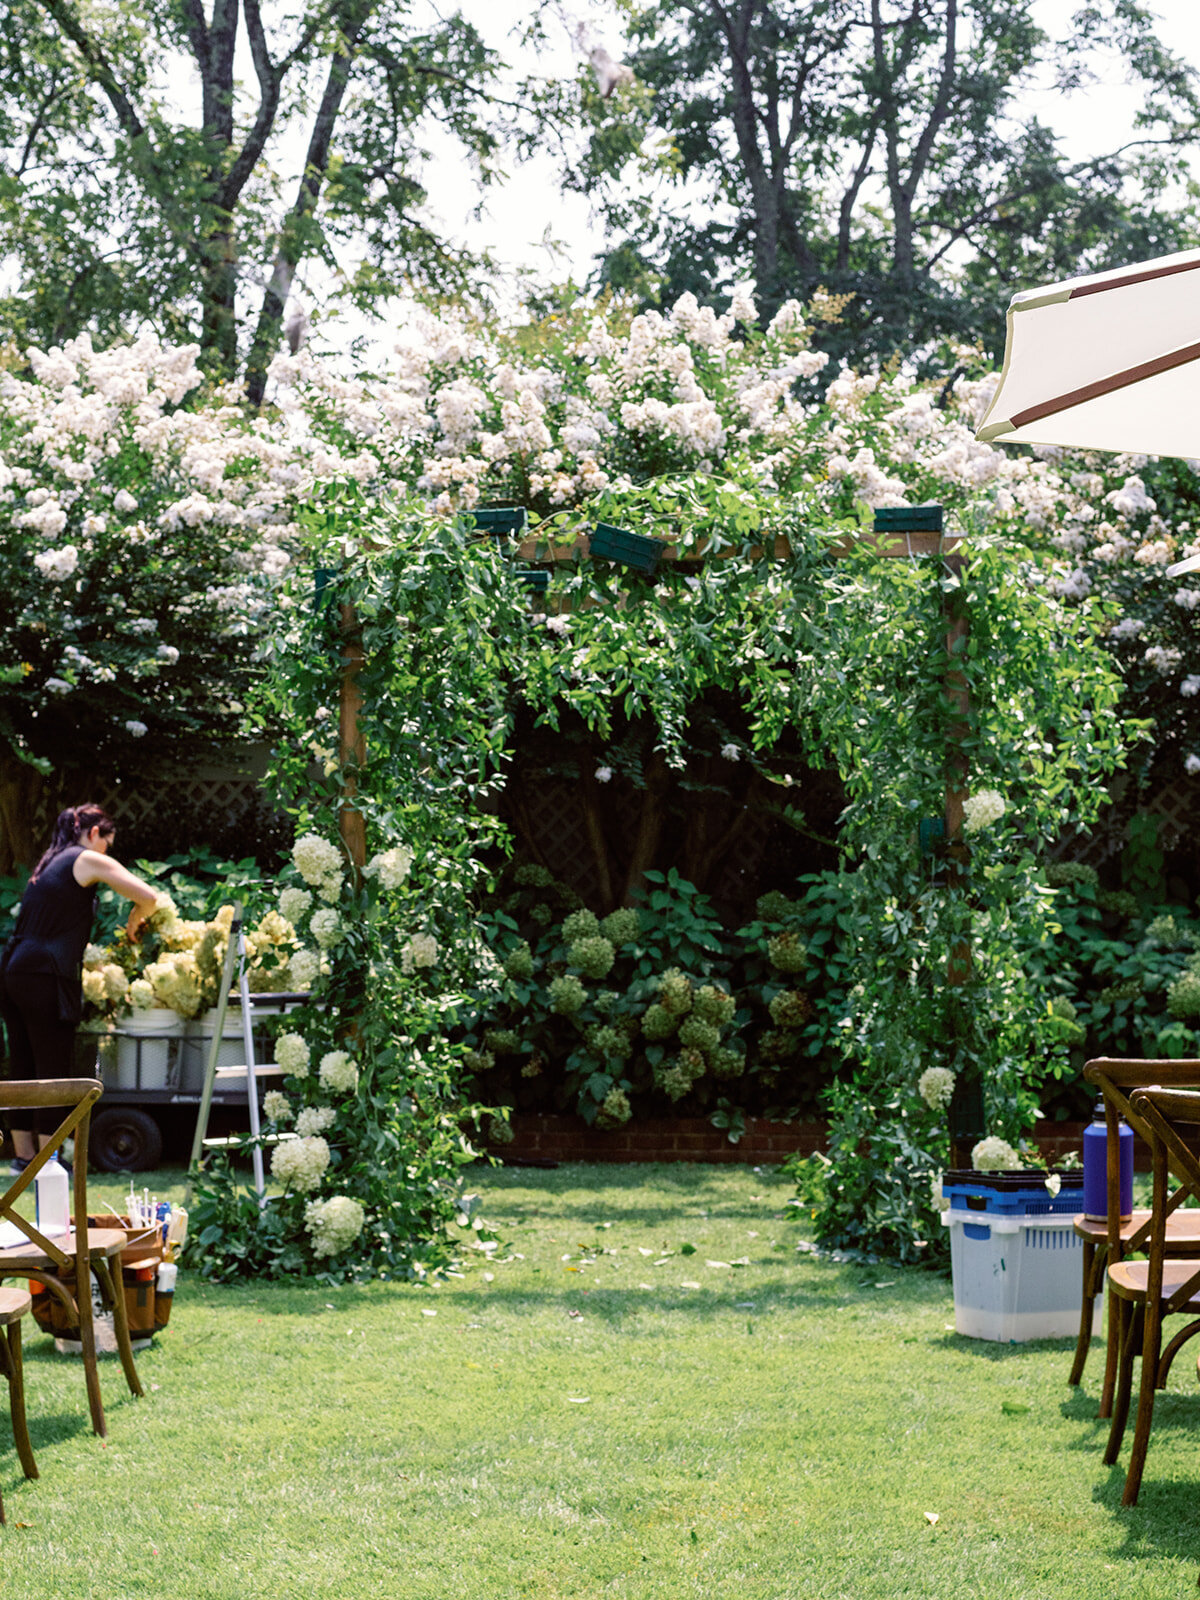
(1016, 1260)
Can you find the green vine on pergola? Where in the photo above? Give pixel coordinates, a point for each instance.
(431, 638)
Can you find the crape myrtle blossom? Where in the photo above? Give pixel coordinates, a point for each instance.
(554, 417)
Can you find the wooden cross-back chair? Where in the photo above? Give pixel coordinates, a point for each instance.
(1108, 1241)
(1160, 1286)
(64, 1265)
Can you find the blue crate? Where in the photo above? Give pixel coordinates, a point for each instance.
(1012, 1194)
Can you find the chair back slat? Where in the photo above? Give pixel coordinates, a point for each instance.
(78, 1095)
(1161, 1111)
(1118, 1079)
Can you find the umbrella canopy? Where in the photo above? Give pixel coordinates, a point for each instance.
(1105, 362)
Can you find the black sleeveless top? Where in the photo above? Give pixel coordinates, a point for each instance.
(53, 928)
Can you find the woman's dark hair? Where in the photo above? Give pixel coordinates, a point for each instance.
(70, 828)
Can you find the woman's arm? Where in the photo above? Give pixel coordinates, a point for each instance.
(90, 866)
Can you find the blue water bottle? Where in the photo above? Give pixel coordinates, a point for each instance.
(1095, 1167)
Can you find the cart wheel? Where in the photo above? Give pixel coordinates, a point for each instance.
(124, 1139)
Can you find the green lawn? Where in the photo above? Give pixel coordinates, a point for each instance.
(603, 1415)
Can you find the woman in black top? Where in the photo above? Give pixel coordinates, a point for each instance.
(41, 996)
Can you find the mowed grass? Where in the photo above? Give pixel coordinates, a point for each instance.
(604, 1416)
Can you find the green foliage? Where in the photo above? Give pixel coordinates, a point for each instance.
(941, 949)
(862, 152)
(124, 206)
(679, 1012)
(1120, 978)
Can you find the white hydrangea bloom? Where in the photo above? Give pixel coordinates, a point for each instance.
(278, 1108)
(420, 951)
(326, 927)
(982, 809)
(141, 994)
(333, 1224)
(995, 1155)
(391, 867)
(138, 730)
(936, 1086)
(315, 1119)
(304, 969)
(292, 1054)
(300, 1163)
(316, 859)
(293, 903)
(338, 1072)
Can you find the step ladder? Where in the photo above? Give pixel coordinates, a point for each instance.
(237, 956)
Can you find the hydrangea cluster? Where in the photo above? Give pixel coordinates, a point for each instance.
(314, 1119)
(338, 1072)
(334, 1224)
(982, 809)
(293, 903)
(518, 963)
(621, 926)
(788, 952)
(566, 995)
(615, 1109)
(581, 924)
(300, 1163)
(995, 1155)
(420, 951)
(594, 956)
(292, 1054)
(714, 1005)
(936, 1087)
(278, 1108)
(675, 992)
(791, 1008)
(304, 969)
(320, 863)
(325, 927)
(391, 867)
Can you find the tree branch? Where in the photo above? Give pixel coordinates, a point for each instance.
(98, 68)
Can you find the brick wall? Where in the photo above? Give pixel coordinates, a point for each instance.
(540, 1136)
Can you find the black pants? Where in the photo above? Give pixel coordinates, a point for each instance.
(39, 1045)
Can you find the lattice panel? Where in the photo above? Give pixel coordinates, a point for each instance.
(1177, 805)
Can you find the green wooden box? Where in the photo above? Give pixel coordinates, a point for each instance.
(908, 519)
(630, 549)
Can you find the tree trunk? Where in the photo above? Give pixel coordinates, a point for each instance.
(22, 788)
(650, 827)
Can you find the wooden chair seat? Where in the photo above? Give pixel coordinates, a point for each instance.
(1131, 1280)
(107, 1242)
(14, 1303)
(1183, 1228)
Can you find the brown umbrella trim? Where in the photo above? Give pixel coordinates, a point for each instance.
(1102, 386)
(1145, 276)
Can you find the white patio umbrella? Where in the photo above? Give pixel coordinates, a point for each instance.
(1105, 362)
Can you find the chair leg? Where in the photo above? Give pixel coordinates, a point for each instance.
(1112, 1353)
(1083, 1343)
(1130, 1327)
(87, 1339)
(1151, 1340)
(16, 1401)
(113, 1288)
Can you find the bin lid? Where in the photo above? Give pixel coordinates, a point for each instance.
(1006, 1182)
